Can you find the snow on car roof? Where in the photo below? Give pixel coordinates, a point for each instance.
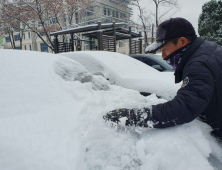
(127, 72)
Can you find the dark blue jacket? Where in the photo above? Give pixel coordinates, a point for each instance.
(201, 72)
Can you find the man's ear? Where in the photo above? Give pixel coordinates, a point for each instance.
(183, 41)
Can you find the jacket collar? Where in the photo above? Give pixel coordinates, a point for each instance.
(176, 52)
(174, 60)
(186, 56)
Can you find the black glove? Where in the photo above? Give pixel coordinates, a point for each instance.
(135, 117)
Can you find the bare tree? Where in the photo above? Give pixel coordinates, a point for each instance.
(8, 26)
(168, 7)
(75, 8)
(29, 13)
(40, 16)
(163, 10)
(145, 18)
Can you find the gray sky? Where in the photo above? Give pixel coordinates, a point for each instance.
(189, 9)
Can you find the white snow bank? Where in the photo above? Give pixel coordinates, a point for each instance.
(50, 120)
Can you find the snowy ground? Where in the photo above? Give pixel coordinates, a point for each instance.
(51, 113)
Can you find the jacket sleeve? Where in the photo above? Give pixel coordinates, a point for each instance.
(190, 101)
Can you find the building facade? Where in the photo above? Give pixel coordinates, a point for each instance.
(106, 11)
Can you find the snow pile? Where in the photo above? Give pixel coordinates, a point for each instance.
(127, 72)
(52, 118)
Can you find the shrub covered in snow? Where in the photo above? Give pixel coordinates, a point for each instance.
(210, 21)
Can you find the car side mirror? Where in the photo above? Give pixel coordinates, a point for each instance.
(158, 67)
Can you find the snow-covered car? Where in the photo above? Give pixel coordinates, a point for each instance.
(51, 118)
(127, 72)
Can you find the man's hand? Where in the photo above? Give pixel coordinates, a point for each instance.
(135, 117)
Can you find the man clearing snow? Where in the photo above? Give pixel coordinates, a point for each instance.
(199, 64)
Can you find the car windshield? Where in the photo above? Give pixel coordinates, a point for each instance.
(159, 58)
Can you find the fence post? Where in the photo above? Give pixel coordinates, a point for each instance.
(114, 35)
(141, 42)
(72, 44)
(130, 41)
(56, 45)
(90, 43)
(100, 36)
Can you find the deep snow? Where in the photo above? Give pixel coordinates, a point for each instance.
(51, 111)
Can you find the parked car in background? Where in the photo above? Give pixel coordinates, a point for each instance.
(154, 61)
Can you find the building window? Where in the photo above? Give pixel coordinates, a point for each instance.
(43, 34)
(23, 35)
(117, 14)
(77, 18)
(123, 16)
(25, 47)
(114, 13)
(29, 35)
(17, 48)
(7, 39)
(109, 12)
(104, 10)
(17, 28)
(44, 47)
(30, 47)
(53, 20)
(16, 37)
(39, 24)
(23, 25)
(89, 11)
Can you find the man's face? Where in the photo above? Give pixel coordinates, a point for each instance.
(169, 48)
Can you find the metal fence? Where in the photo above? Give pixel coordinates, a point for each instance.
(135, 47)
(108, 43)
